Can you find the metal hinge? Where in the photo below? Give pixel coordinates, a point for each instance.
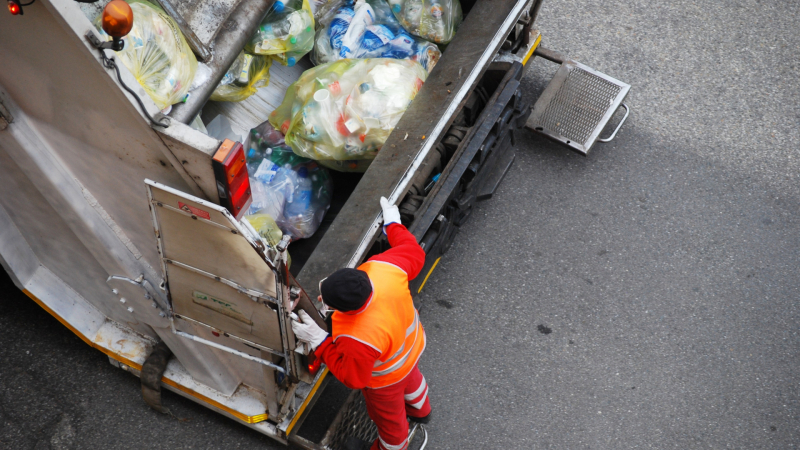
(5, 116)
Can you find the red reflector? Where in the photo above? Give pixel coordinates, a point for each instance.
(233, 183)
(14, 8)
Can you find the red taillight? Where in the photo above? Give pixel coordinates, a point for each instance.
(314, 363)
(14, 8)
(233, 184)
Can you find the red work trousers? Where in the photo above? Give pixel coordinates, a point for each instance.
(389, 406)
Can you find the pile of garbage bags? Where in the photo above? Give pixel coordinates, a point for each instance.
(246, 75)
(368, 29)
(286, 33)
(434, 20)
(346, 110)
(294, 192)
(157, 54)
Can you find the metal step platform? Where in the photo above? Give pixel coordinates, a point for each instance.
(577, 105)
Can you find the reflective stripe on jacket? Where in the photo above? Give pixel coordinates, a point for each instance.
(389, 324)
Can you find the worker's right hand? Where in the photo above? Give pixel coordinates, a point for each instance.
(306, 330)
(391, 214)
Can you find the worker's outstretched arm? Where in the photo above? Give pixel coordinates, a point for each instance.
(350, 361)
(405, 252)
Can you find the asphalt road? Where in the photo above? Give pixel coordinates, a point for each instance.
(645, 296)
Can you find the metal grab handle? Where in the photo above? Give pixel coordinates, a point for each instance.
(627, 112)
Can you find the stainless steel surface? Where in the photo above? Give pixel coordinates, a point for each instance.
(577, 105)
(624, 118)
(199, 46)
(235, 32)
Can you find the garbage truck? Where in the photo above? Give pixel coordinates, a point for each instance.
(119, 218)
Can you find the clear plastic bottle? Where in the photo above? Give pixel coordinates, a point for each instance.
(301, 200)
(412, 13)
(433, 25)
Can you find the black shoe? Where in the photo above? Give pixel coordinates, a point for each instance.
(354, 443)
(422, 420)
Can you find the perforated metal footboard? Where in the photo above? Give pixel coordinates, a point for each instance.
(577, 105)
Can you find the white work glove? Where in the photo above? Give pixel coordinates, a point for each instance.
(390, 213)
(306, 330)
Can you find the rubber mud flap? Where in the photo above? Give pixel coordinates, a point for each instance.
(152, 371)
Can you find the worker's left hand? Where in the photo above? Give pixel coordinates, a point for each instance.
(305, 329)
(391, 214)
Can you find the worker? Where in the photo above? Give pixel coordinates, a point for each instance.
(377, 338)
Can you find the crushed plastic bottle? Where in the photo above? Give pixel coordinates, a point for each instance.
(434, 20)
(346, 110)
(286, 33)
(246, 75)
(368, 29)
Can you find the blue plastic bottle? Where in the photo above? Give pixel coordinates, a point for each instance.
(375, 37)
(340, 24)
(401, 47)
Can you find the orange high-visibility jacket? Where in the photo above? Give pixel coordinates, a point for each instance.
(389, 324)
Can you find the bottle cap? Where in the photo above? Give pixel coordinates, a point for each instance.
(279, 6)
(290, 61)
(322, 95)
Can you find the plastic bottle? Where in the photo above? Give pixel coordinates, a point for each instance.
(364, 17)
(397, 5)
(266, 199)
(301, 200)
(412, 13)
(376, 36)
(339, 25)
(401, 47)
(266, 171)
(433, 26)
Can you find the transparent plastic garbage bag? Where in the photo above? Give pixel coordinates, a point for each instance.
(157, 54)
(434, 20)
(368, 29)
(286, 33)
(346, 110)
(245, 77)
(295, 191)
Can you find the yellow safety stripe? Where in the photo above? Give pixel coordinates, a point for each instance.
(428, 275)
(302, 408)
(532, 49)
(244, 418)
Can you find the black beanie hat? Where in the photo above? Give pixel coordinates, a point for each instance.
(346, 289)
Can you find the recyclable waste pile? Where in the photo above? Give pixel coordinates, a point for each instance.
(368, 29)
(341, 113)
(294, 192)
(246, 75)
(157, 54)
(434, 20)
(286, 34)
